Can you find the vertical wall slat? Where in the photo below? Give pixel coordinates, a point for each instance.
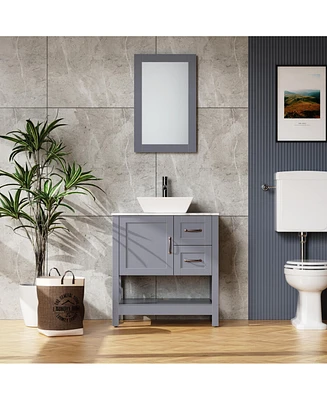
(270, 297)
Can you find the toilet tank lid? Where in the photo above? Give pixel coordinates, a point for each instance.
(291, 175)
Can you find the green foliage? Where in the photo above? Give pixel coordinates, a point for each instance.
(13, 207)
(56, 153)
(38, 198)
(74, 177)
(23, 178)
(33, 140)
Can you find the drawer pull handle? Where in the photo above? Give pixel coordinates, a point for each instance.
(192, 230)
(192, 261)
(169, 244)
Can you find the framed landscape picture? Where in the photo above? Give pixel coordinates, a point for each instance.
(301, 103)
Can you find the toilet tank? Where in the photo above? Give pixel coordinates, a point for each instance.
(301, 201)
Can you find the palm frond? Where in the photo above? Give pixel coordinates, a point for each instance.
(34, 139)
(75, 178)
(23, 177)
(13, 207)
(56, 153)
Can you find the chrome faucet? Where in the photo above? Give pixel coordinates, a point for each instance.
(165, 186)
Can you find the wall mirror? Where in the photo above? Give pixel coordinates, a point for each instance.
(165, 103)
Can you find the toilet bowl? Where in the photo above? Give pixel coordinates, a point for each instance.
(309, 277)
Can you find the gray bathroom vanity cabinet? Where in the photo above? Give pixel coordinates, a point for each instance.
(162, 245)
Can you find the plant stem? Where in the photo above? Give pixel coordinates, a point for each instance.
(40, 256)
(41, 231)
(27, 234)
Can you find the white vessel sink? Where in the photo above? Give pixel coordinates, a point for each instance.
(165, 204)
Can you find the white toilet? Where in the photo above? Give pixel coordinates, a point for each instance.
(301, 206)
(310, 279)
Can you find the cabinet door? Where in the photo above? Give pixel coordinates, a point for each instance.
(146, 245)
(192, 260)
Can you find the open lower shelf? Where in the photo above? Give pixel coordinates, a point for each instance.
(165, 301)
(150, 306)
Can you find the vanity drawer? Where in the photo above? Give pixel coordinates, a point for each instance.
(195, 230)
(194, 260)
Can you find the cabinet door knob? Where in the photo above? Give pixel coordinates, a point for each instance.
(169, 245)
(192, 230)
(192, 261)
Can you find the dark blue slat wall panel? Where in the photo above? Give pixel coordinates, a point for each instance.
(270, 297)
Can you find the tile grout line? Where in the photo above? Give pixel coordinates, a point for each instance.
(92, 108)
(110, 216)
(156, 195)
(155, 174)
(156, 181)
(47, 116)
(108, 108)
(47, 73)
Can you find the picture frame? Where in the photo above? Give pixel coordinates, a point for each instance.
(301, 103)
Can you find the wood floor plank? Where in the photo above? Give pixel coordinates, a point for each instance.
(165, 342)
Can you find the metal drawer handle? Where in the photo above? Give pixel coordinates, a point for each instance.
(191, 261)
(169, 244)
(192, 230)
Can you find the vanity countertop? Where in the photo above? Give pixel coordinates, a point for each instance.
(163, 213)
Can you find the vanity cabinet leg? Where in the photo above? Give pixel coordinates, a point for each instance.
(115, 318)
(215, 271)
(116, 280)
(116, 297)
(115, 304)
(215, 319)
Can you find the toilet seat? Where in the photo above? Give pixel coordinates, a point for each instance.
(306, 265)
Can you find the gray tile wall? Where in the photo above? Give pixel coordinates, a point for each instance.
(89, 82)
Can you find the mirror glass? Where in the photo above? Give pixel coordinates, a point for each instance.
(164, 93)
(165, 103)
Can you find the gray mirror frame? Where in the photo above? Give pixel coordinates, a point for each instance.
(164, 148)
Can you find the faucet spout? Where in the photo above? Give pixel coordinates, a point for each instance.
(165, 186)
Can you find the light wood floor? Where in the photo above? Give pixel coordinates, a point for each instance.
(163, 342)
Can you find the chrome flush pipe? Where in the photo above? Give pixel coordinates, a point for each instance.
(303, 236)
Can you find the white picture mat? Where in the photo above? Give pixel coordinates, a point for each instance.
(301, 78)
(165, 103)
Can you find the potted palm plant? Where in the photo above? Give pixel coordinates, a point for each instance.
(34, 194)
